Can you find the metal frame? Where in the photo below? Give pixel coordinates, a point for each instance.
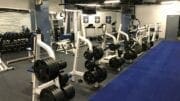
(3, 66)
(108, 56)
(37, 87)
(77, 42)
(63, 42)
(83, 38)
(30, 55)
(75, 70)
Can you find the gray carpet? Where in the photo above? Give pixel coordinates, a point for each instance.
(15, 84)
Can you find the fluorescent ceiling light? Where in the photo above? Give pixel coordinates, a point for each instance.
(170, 2)
(111, 1)
(90, 5)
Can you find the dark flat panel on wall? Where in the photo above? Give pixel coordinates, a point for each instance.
(172, 27)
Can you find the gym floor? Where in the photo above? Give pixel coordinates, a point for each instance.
(15, 85)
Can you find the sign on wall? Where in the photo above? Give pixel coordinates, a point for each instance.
(85, 19)
(108, 19)
(97, 19)
(13, 21)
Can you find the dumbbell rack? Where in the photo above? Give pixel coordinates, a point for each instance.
(75, 71)
(37, 87)
(3, 66)
(12, 42)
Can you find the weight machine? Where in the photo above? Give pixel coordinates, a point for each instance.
(66, 45)
(146, 36)
(113, 55)
(108, 52)
(116, 41)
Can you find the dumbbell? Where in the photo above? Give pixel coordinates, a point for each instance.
(1, 35)
(137, 48)
(20, 35)
(157, 36)
(120, 52)
(55, 46)
(151, 43)
(5, 36)
(63, 79)
(102, 74)
(145, 46)
(113, 47)
(97, 75)
(90, 77)
(116, 62)
(96, 54)
(90, 65)
(130, 55)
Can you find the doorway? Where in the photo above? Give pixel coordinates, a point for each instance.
(173, 27)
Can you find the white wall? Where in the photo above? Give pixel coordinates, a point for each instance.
(54, 6)
(19, 4)
(151, 14)
(116, 16)
(12, 21)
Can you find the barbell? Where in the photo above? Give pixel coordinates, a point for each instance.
(116, 62)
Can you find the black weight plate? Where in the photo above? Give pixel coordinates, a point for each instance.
(102, 74)
(90, 77)
(90, 65)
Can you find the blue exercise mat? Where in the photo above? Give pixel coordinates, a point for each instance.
(154, 77)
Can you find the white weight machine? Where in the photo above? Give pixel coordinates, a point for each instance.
(66, 45)
(108, 53)
(146, 32)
